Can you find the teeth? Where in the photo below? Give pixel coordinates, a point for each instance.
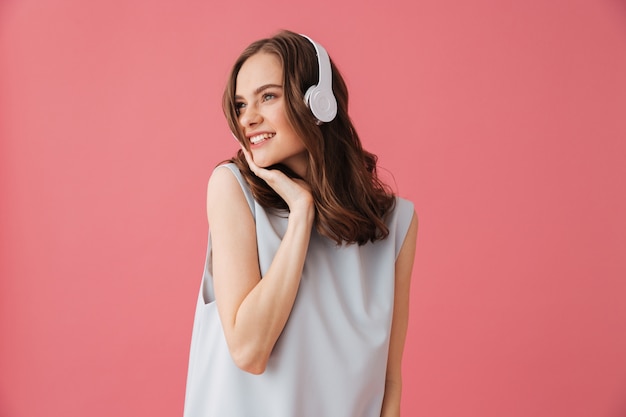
(258, 138)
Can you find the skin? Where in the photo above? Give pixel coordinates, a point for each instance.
(254, 311)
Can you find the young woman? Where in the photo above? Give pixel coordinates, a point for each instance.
(304, 300)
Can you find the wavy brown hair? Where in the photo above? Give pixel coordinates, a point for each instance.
(351, 202)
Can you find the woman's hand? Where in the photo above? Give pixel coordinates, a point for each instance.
(295, 192)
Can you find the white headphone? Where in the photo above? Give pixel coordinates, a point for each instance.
(320, 98)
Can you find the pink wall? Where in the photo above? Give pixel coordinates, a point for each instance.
(503, 121)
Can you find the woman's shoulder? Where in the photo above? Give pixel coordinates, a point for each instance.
(224, 175)
(400, 220)
(403, 208)
(225, 167)
(227, 186)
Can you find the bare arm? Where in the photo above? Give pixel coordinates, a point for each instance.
(254, 311)
(404, 267)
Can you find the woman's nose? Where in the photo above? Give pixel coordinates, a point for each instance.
(250, 116)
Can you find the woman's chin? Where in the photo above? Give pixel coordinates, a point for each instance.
(263, 162)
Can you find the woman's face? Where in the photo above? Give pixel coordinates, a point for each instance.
(260, 105)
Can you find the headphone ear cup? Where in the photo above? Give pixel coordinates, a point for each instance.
(322, 103)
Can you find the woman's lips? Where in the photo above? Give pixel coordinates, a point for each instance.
(256, 139)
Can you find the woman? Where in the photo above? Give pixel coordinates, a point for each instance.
(304, 300)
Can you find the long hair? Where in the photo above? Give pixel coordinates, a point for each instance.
(351, 202)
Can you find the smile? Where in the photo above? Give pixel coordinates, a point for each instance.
(260, 138)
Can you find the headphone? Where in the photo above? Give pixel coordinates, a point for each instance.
(319, 98)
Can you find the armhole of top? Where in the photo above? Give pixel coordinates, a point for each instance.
(404, 215)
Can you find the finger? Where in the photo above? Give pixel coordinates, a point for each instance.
(276, 179)
(266, 175)
(253, 167)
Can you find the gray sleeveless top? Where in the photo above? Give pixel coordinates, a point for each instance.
(330, 360)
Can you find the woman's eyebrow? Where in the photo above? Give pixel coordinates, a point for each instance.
(262, 88)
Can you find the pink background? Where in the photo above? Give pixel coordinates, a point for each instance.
(503, 121)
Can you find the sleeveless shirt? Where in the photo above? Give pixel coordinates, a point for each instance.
(330, 359)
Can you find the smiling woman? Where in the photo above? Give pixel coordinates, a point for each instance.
(304, 300)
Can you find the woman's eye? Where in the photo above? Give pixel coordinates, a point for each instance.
(238, 107)
(268, 96)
